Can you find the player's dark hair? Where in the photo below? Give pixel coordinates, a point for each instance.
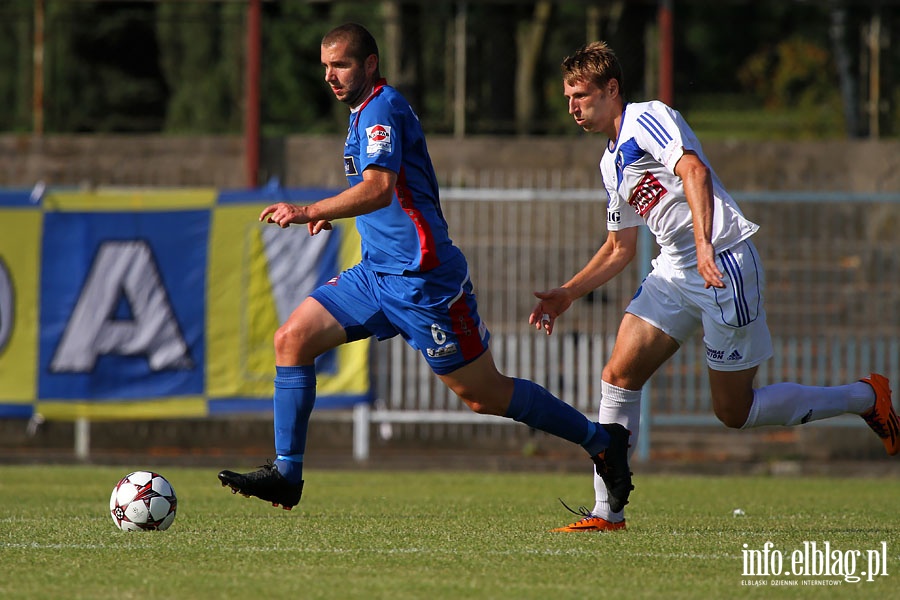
(595, 62)
(360, 43)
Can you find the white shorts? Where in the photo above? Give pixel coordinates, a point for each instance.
(733, 319)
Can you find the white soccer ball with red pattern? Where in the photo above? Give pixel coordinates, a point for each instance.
(143, 501)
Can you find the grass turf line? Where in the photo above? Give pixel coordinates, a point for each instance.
(433, 535)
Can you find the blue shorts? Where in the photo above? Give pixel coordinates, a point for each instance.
(434, 311)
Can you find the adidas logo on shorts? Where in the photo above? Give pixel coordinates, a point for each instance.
(735, 356)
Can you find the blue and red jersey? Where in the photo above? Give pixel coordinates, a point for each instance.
(411, 234)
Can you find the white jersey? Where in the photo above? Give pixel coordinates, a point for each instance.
(639, 177)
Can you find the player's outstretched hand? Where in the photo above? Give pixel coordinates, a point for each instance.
(283, 214)
(552, 304)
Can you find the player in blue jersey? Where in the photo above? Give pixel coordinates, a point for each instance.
(412, 281)
(707, 276)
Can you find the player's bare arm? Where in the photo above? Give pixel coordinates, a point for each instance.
(699, 193)
(373, 193)
(617, 251)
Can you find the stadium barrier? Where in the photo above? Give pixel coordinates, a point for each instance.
(833, 303)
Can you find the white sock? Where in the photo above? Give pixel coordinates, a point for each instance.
(794, 404)
(617, 405)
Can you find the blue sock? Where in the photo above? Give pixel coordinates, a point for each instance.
(536, 407)
(598, 442)
(295, 396)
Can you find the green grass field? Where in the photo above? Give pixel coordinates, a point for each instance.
(435, 535)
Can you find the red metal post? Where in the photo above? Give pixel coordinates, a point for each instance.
(665, 21)
(38, 83)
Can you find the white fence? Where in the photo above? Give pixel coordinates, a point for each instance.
(833, 303)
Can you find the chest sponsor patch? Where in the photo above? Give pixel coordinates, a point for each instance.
(350, 166)
(378, 139)
(646, 194)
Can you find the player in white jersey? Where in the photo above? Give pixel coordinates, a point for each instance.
(642, 186)
(708, 274)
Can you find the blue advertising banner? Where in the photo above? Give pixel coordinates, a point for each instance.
(158, 304)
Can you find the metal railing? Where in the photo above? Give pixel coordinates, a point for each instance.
(833, 303)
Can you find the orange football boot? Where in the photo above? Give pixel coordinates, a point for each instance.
(592, 524)
(882, 418)
(589, 522)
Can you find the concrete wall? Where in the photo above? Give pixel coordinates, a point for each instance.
(217, 161)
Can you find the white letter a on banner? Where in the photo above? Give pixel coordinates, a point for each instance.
(122, 269)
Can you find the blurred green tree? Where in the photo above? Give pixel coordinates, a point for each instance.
(797, 74)
(16, 56)
(201, 54)
(178, 66)
(102, 73)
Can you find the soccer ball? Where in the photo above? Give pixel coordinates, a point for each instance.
(143, 501)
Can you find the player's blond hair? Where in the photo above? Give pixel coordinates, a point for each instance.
(595, 62)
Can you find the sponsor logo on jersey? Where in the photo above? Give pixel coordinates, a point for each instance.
(379, 133)
(350, 166)
(613, 216)
(646, 194)
(379, 139)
